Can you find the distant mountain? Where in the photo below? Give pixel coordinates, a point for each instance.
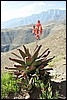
(46, 16)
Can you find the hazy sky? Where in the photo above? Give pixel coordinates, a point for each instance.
(16, 9)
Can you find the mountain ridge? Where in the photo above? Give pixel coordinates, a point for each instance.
(45, 16)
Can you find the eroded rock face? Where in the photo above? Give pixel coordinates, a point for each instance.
(15, 37)
(7, 36)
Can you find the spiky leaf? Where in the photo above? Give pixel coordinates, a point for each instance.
(36, 53)
(45, 55)
(31, 70)
(23, 75)
(45, 62)
(18, 61)
(15, 68)
(41, 66)
(28, 61)
(17, 73)
(43, 52)
(11, 68)
(20, 67)
(16, 55)
(27, 51)
(22, 53)
(36, 63)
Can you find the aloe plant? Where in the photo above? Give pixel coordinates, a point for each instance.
(30, 66)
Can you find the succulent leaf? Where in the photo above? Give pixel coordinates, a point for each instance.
(18, 61)
(16, 55)
(36, 63)
(34, 57)
(17, 73)
(41, 66)
(28, 61)
(31, 70)
(22, 53)
(11, 68)
(20, 67)
(27, 51)
(45, 62)
(43, 53)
